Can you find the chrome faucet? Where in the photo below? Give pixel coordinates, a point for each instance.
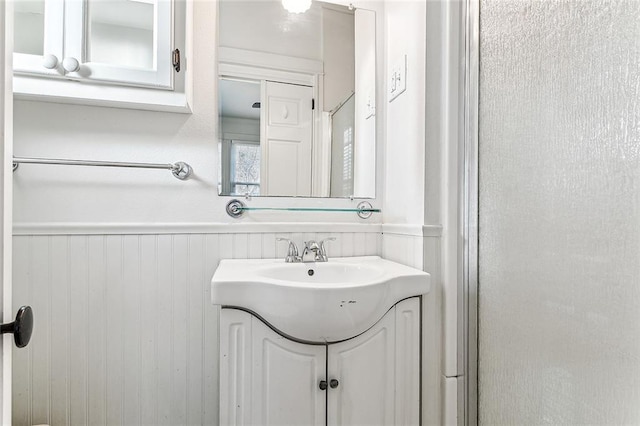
(314, 251)
(292, 251)
(311, 248)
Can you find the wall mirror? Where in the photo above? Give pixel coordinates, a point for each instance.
(296, 99)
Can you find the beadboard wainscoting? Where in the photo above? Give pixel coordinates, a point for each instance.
(403, 248)
(419, 246)
(125, 333)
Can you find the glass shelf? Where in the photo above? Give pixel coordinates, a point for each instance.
(235, 209)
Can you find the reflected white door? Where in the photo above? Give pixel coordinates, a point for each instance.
(287, 130)
(6, 140)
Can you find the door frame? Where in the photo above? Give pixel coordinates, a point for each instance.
(259, 66)
(6, 196)
(469, 190)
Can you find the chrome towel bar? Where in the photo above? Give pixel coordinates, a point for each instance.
(180, 169)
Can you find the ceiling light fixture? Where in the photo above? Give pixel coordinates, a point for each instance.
(296, 6)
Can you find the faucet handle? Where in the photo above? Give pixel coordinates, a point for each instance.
(327, 239)
(323, 250)
(292, 250)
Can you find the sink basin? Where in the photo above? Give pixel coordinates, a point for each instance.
(330, 274)
(317, 302)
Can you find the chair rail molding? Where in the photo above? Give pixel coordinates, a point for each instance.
(114, 228)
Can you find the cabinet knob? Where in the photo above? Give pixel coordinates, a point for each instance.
(334, 383)
(323, 385)
(49, 61)
(70, 64)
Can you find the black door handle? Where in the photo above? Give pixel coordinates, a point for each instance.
(21, 328)
(333, 383)
(323, 385)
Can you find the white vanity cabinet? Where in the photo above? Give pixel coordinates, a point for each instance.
(372, 379)
(104, 52)
(266, 379)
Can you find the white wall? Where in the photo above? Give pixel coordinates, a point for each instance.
(247, 127)
(123, 230)
(559, 213)
(319, 34)
(106, 195)
(405, 130)
(421, 196)
(338, 28)
(412, 159)
(266, 26)
(365, 123)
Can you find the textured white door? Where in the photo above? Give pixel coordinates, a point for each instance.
(378, 372)
(6, 144)
(287, 132)
(559, 213)
(266, 379)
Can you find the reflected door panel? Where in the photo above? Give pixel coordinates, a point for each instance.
(287, 148)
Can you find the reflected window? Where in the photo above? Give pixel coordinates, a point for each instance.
(245, 168)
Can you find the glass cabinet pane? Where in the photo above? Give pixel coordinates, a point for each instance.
(29, 27)
(122, 33)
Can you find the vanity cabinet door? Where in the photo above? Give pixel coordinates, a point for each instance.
(266, 379)
(378, 372)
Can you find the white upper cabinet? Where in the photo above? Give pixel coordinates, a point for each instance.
(105, 52)
(37, 50)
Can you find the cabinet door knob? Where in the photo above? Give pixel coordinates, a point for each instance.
(70, 64)
(49, 61)
(334, 383)
(323, 385)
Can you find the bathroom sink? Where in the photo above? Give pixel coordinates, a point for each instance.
(335, 273)
(317, 301)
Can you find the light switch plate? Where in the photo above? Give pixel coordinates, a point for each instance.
(398, 78)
